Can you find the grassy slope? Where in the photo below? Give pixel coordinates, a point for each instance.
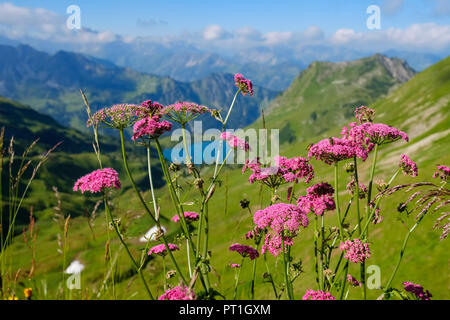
(420, 107)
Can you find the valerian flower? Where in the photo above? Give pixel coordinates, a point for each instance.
(97, 181)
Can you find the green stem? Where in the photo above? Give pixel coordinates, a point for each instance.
(370, 217)
(237, 276)
(270, 275)
(139, 271)
(402, 252)
(286, 270)
(336, 200)
(144, 204)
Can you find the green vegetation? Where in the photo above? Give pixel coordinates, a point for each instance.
(318, 103)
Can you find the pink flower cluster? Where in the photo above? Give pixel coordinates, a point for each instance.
(365, 136)
(178, 293)
(190, 216)
(234, 141)
(408, 166)
(235, 265)
(151, 108)
(150, 127)
(284, 221)
(161, 249)
(295, 168)
(98, 180)
(318, 199)
(380, 133)
(443, 172)
(119, 116)
(286, 170)
(353, 281)
(245, 251)
(355, 250)
(245, 85)
(317, 295)
(351, 187)
(417, 290)
(333, 150)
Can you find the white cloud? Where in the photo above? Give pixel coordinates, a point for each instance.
(18, 22)
(344, 36)
(214, 32)
(426, 36)
(272, 38)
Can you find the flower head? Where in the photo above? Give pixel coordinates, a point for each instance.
(245, 85)
(245, 251)
(178, 293)
(317, 295)
(161, 249)
(151, 108)
(234, 141)
(283, 221)
(150, 128)
(355, 250)
(285, 171)
(190, 216)
(353, 281)
(442, 172)
(417, 290)
(98, 180)
(119, 116)
(182, 112)
(408, 166)
(318, 198)
(235, 265)
(332, 150)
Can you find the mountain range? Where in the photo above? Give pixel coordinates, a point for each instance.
(51, 83)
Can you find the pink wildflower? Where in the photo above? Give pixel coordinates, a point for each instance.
(235, 265)
(161, 249)
(284, 221)
(319, 198)
(286, 170)
(245, 251)
(98, 180)
(182, 112)
(119, 116)
(332, 150)
(151, 107)
(408, 166)
(417, 290)
(150, 127)
(178, 293)
(317, 295)
(234, 141)
(355, 250)
(353, 281)
(190, 216)
(443, 172)
(351, 187)
(245, 85)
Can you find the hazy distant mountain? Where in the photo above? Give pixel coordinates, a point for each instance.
(418, 61)
(50, 84)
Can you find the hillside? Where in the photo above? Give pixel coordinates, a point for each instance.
(51, 83)
(326, 94)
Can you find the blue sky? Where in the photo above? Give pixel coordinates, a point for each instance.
(218, 26)
(144, 17)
